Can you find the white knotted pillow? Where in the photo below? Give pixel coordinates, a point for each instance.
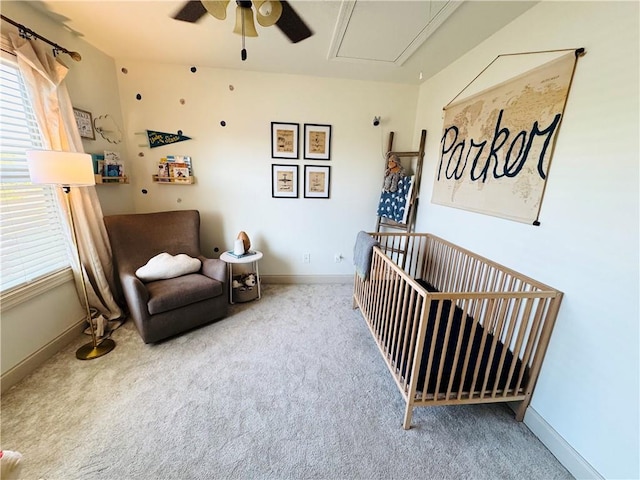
(164, 265)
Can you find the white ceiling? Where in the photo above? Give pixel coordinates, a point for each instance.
(359, 39)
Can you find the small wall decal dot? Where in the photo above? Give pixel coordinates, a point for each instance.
(193, 69)
(182, 101)
(141, 154)
(124, 70)
(231, 87)
(223, 123)
(179, 132)
(138, 97)
(144, 191)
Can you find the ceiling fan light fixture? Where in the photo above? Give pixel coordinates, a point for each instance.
(249, 25)
(217, 8)
(268, 11)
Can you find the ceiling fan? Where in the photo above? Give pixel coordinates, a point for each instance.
(268, 13)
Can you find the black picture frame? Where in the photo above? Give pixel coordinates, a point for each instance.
(284, 181)
(284, 140)
(317, 181)
(317, 141)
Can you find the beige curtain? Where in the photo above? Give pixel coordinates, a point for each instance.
(44, 76)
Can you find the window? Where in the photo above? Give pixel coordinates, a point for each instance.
(33, 241)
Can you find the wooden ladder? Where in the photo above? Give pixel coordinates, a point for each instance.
(412, 201)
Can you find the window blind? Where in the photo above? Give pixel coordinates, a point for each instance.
(32, 239)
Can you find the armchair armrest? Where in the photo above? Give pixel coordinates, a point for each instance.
(214, 268)
(136, 295)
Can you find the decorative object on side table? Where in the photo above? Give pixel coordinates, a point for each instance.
(66, 170)
(246, 243)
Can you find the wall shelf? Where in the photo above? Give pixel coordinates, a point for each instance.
(100, 180)
(173, 180)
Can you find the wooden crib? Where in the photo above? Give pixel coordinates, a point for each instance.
(452, 326)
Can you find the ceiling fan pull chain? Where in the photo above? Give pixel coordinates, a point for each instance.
(243, 52)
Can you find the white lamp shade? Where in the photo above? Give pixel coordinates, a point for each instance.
(67, 169)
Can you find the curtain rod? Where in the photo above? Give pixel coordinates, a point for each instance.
(27, 33)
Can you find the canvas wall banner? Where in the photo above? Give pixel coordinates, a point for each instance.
(496, 145)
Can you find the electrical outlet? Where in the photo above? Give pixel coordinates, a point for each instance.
(306, 258)
(338, 257)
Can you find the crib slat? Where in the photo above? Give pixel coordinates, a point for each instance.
(398, 322)
(494, 343)
(515, 313)
(532, 340)
(379, 297)
(418, 356)
(456, 357)
(524, 326)
(467, 359)
(407, 342)
(415, 342)
(445, 345)
(490, 308)
(391, 308)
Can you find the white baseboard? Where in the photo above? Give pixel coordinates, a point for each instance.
(559, 447)
(308, 279)
(37, 358)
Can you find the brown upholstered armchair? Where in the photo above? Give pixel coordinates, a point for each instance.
(164, 308)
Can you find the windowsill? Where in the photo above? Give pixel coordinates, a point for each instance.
(19, 295)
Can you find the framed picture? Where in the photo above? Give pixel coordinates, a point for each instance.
(284, 181)
(284, 140)
(85, 123)
(317, 142)
(317, 179)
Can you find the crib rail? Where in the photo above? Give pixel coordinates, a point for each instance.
(392, 303)
(485, 330)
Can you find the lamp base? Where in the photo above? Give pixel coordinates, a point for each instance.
(89, 352)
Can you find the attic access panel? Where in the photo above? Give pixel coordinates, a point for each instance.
(386, 31)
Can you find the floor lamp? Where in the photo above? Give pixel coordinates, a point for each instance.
(66, 170)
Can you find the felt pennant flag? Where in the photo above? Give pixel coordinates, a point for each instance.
(158, 139)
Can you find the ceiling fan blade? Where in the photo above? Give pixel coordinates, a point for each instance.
(191, 12)
(292, 25)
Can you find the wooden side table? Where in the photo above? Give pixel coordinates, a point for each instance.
(231, 260)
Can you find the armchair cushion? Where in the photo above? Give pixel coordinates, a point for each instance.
(172, 293)
(164, 266)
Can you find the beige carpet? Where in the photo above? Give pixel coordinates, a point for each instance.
(288, 387)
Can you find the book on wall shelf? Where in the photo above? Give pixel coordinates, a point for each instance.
(108, 168)
(174, 169)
